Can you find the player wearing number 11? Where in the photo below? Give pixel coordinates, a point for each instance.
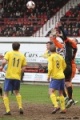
(16, 63)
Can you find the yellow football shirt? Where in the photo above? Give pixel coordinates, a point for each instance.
(56, 66)
(16, 60)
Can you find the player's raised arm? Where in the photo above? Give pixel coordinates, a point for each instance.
(57, 43)
(64, 36)
(53, 36)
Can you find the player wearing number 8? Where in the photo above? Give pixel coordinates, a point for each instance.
(56, 67)
(16, 64)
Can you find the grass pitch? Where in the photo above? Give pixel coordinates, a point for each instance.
(37, 94)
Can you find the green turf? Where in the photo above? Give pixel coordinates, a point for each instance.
(36, 94)
(39, 94)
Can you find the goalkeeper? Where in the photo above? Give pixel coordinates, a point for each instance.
(70, 49)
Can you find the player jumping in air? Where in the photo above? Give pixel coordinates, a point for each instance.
(16, 62)
(56, 67)
(70, 49)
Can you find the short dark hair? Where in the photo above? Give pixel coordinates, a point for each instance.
(16, 45)
(49, 42)
(53, 48)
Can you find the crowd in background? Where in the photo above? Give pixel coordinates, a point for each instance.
(17, 20)
(71, 21)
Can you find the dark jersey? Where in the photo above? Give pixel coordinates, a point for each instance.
(70, 47)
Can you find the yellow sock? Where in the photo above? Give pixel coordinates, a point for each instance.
(6, 103)
(62, 102)
(53, 99)
(19, 101)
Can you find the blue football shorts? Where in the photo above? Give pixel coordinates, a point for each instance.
(11, 84)
(57, 84)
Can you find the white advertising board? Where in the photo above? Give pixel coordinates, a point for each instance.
(38, 77)
(33, 52)
(35, 77)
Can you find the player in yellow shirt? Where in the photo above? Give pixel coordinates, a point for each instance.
(56, 67)
(16, 62)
